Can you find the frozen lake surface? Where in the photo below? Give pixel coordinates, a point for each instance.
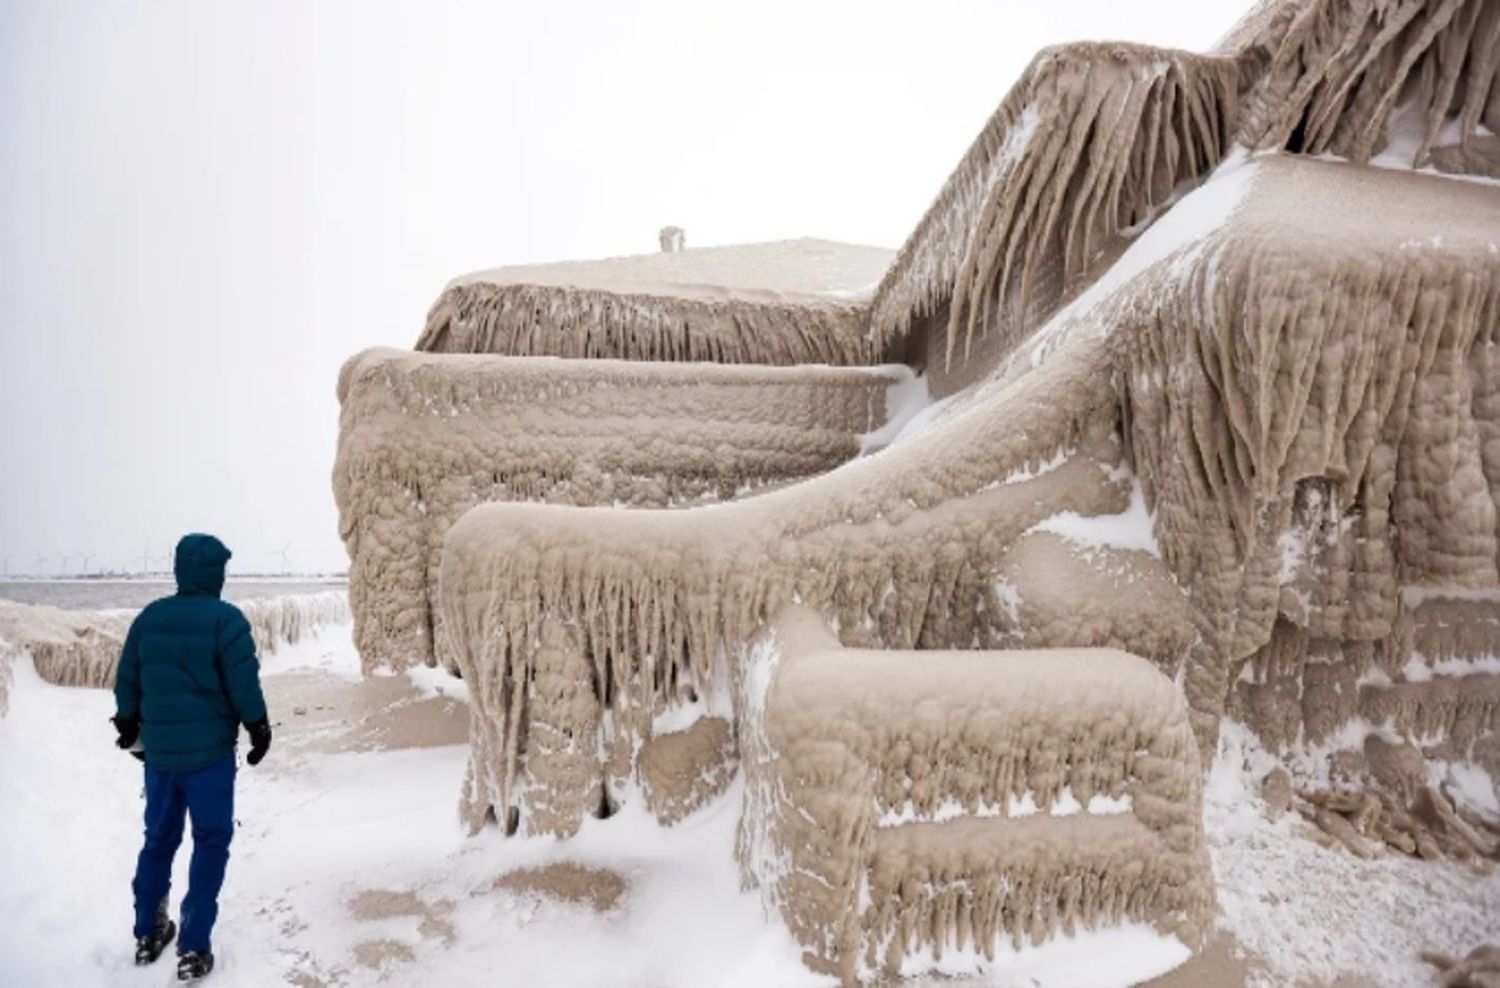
(87, 595)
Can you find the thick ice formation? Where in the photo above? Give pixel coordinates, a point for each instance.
(793, 302)
(895, 800)
(1204, 398)
(1096, 139)
(425, 437)
(901, 547)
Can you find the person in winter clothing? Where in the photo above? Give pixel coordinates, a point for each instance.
(187, 679)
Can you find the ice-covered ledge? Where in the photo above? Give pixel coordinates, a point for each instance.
(802, 301)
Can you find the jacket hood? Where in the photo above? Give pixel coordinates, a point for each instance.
(199, 564)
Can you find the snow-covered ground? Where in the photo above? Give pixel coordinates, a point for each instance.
(1308, 915)
(349, 867)
(319, 829)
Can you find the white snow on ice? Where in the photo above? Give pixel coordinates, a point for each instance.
(1133, 528)
(1066, 804)
(1120, 955)
(1186, 224)
(432, 681)
(906, 399)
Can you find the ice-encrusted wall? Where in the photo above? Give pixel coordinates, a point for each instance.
(425, 437)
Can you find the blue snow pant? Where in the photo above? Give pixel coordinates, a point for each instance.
(207, 794)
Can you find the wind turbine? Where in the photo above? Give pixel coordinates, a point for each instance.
(87, 558)
(41, 561)
(286, 561)
(148, 560)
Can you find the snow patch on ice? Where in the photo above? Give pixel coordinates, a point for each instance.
(762, 793)
(948, 809)
(1197, 215)
(1405, 132)
(1029, 472)
(1111, 957)
(1101, 804)
(1414, 597)
(1008, 596)
(1134, 528)
(1468, 785)
(906, 398)
(1066, 804)
(1293, 544)
(1466, 667)
(684, 714)
(928, 416)
(432, 681)
(1023, 805)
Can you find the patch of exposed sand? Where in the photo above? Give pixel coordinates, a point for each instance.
(1218, 965)
(378, 954)
(598, 888)
(318, 713)
(372, 905)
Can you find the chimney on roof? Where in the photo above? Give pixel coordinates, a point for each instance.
(671, 238)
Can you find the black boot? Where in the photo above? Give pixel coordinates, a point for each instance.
(149, 948)
(194, 965)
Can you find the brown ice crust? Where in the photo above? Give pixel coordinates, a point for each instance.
(1096, 138)
(82, 648)
(1274, 508)
(1133, 601)
(884, 792)
(687, 769)
(68, 648)
(649, 598)
(425, 437)
(790, 302)
(1338, 387)
(903, 548)
(1092, 139)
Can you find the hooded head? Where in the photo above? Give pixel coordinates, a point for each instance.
(199, 566)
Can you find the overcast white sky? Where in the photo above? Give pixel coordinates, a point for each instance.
(207, 206)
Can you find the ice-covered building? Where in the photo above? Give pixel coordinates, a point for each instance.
(1181, 405)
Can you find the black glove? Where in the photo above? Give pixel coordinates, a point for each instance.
(129, 730)
(260, 740)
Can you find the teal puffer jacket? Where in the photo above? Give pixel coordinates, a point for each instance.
(188, 671)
